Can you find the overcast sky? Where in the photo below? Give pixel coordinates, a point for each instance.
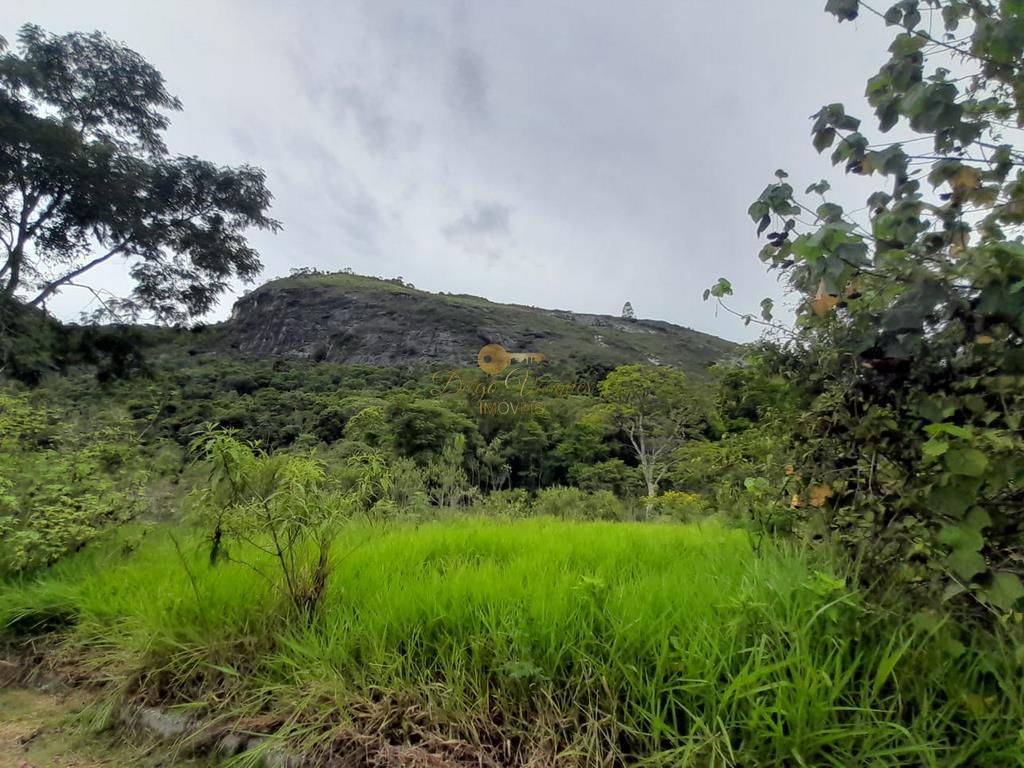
(571, 154)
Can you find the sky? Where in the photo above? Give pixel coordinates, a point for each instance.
(570, 154)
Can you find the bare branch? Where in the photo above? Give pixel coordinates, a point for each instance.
(55, 284)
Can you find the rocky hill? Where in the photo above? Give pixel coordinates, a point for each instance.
(349, 318)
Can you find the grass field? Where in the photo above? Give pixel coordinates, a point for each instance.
(539, 642)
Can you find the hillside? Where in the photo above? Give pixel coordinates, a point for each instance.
(354, 319)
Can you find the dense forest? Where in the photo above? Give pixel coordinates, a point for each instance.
(619, 542)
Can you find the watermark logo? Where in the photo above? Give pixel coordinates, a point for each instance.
(508, 390)
(494, 358)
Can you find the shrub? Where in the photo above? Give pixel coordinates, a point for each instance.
(447, 481)
(60, 487)
(612, 475)
(574, 504)
(679, 505)
(512, 503)
(408, 490)
(908, 347)
(275, 504)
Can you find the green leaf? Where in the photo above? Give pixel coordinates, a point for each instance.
(1005, 590)
(879, 200)
(823, 139)
(888, 664)
(936, 410)
(844, 10)
(847, 123)
(952, 500)
(966, 564)
(951, 17)
(722, 288)
(948, 429)
(961, 537)
(830, 212)
(953, 589)
(758, 209)
(978, 519)
(966, 461)
(935, 448)
(756, 484)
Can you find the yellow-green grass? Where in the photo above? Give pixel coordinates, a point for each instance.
(543, 640)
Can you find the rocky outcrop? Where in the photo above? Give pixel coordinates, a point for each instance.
(371, 328)
(358, 320)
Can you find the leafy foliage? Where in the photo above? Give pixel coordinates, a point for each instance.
(910, 347)
(60, 486)
(574, 504)
(657, 410)
(85, 177)
(274, 504)
(447, 480)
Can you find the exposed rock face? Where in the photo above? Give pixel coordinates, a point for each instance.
(357, 320)
(318, 323)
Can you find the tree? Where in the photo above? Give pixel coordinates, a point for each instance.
(422, 428)
(528, 445)
(627, 312)
(448, 482)
(85, 177)
(658, 411)
(909, 344)
(612, 475)
(368, 426)
(584, 441)
(492, 458)
(334, 413)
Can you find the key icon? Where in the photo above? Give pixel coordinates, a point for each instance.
(494, 358)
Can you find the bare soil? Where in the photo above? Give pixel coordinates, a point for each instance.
(38, 730)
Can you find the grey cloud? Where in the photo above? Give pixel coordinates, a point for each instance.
(468, 89)
(627, 146)
(350, 205)
(341, 101)
(483, 229)
(483, 219)
(376, 127)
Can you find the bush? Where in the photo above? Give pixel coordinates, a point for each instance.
(679, 505)
(513, 503)
(276, 504)
(612, 475)
(60, 487)
(408, 489)
(28, 342)
(574, 504)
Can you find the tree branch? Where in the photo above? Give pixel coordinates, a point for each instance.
(55, 284)
(99, 298)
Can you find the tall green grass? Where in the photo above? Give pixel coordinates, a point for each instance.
(546, 641)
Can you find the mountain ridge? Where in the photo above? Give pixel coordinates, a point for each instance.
(357, 319)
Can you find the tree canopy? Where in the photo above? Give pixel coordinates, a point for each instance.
(657, 410)
(85, 177)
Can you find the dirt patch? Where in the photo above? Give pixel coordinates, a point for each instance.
(37, 730)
